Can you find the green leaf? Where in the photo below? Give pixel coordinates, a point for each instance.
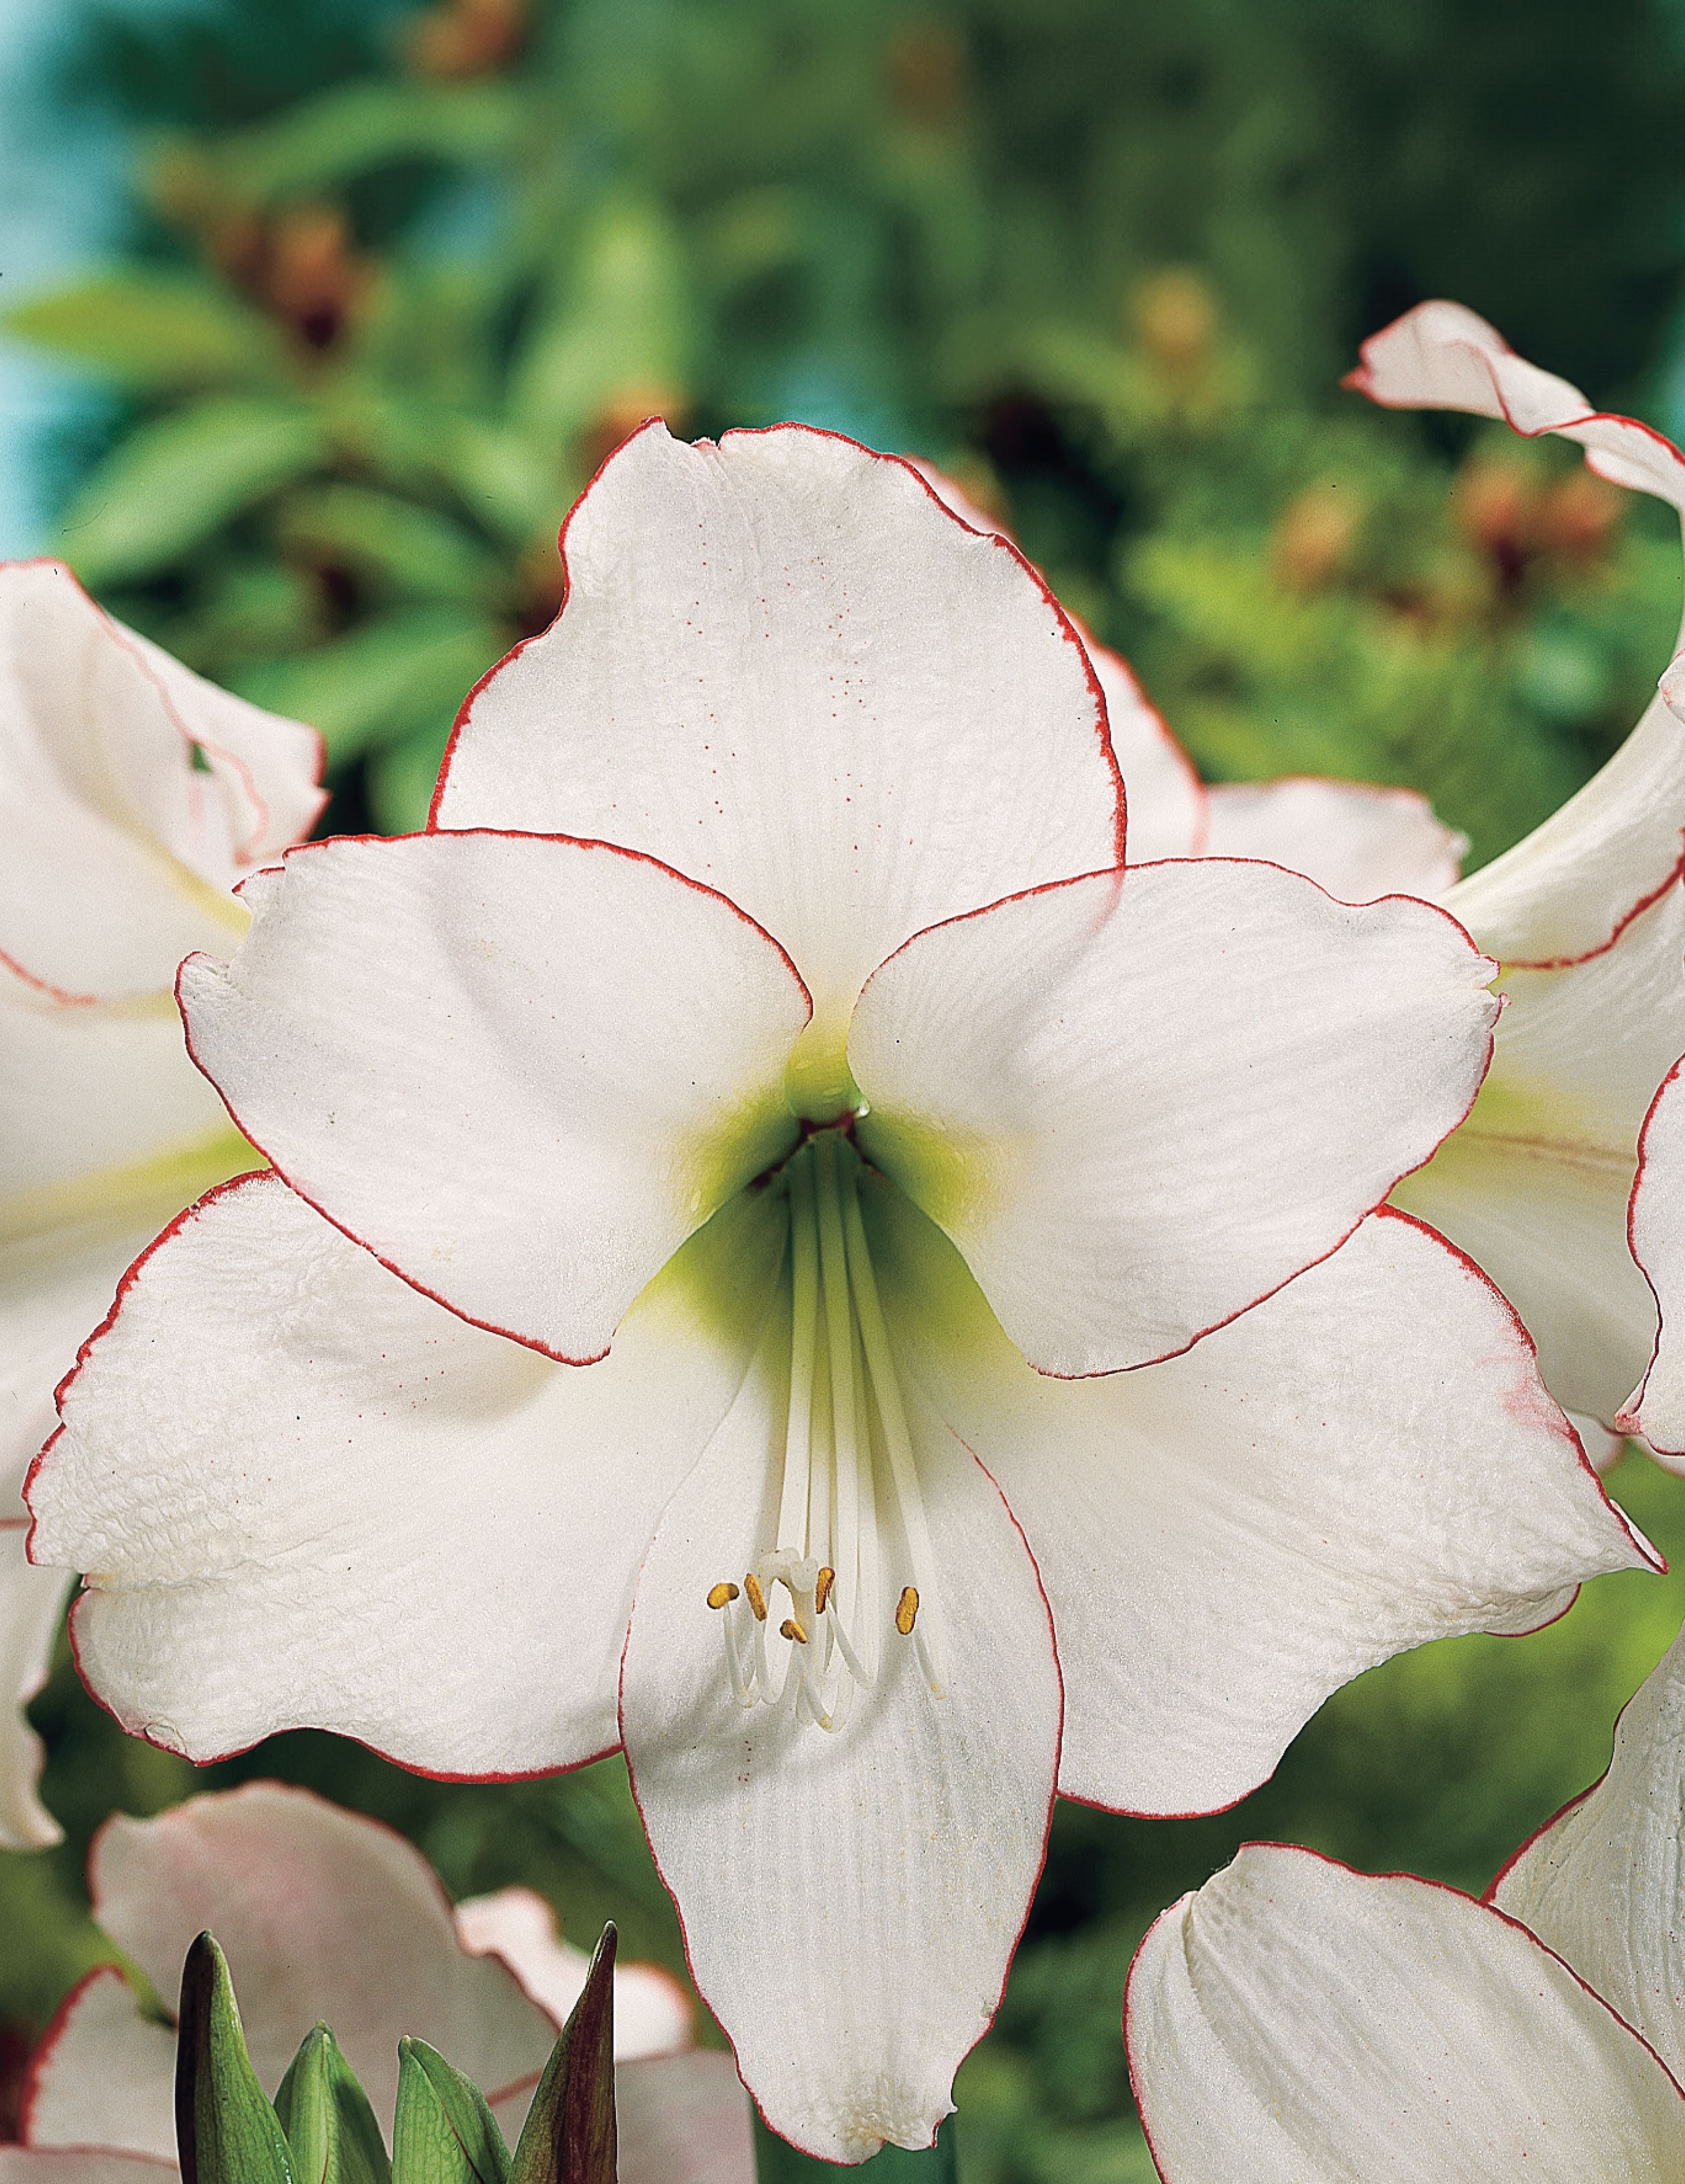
(175, 480)
(225, 2131)
(375, 534)
(444, 2133)
(150, 328)
(569, 2137)
(401, 675)
(326, 2117)
(355, 127)
(777, 2162)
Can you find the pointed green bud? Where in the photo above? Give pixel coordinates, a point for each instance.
(326, 2117)
(444, 2133)
(225, 2131)
(570, 2133)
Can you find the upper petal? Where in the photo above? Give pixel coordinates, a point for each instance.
(306, 1495)
(1365, 1462)
(1605, 1884)
(520, 1071)
(851, 1900)
(1656, 1407)
(120, 848)
(1356, 841)
(783, 668)
(1140, 1102)
(1297, 2023)
(1569, 888)
(1169, 814)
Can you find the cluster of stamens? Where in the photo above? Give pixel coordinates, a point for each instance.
(846, 1436)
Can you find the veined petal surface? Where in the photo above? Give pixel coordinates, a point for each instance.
(851, 1900)
(32, 1604)
(1139, 1102)
(784, 669)
(1570, 887)
(520, 1071)
(1605, 1884)
(302, 1493)
(1356, 841)
(1535, 1184)
(1297, 2023)
(1656, 1407)
(1229, 1536)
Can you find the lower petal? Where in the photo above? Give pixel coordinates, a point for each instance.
(851, 1900)
(31, 1607)
(305, 1494)
(1365, 1462)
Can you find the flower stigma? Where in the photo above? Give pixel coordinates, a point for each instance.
(848, 1458)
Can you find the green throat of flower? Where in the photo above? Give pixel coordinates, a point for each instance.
(850, 1481)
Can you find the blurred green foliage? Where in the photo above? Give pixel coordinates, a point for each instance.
(401, 277)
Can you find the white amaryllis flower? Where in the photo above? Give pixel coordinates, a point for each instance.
(1294, 2022)
(1587, 918)
(984, 1401)
(133, 795)
(325, 1916)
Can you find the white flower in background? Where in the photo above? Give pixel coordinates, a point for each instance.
(324, 1914)
(1294, 2022)
(133, 796)
(688, 1030)
(1588, 916)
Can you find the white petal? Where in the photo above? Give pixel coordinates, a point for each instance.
(1535, 1183)
(31, 1607)
(104, 2075)
(1297, 2023)
(1356, 841)
(851, 1900)
(520, 1071)
(1365, 1462)
(1569, 888)
(1167, 810)
(118, 855)
(684, 2120)
(784, 669)
(1656, 1409)
(304, 1494)
(1139, 1103)
(652, 2012)
(1605, 1884)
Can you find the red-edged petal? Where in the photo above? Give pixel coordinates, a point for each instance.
(784, 669)
(1139, 1102)
(1656, 1407)
(1356, 841)
(520, 1071)
(104, 2075)
(306, 1495)
(1365, 1462)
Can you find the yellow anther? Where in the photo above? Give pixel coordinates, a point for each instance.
(721, 1596)
(790, 1627)
(906, 1610)
(757, 1599)
(822, 1589)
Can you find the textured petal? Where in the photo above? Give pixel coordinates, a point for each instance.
(1297, 2023)
(1656, 1409)
(652, 2012)
(1535, 1183)
(104, 2075)
(1365, 1462)
(118, 853)
(1605, 1884)
(784, 669)
(520, 1071)
(1356, 841)
(1169, 813)
(851, 1901)
(1571, 885)
(1138, 1104)
(684, 2120)
(306, 1495)
(31, 1607)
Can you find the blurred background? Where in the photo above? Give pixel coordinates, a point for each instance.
(318, 313)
